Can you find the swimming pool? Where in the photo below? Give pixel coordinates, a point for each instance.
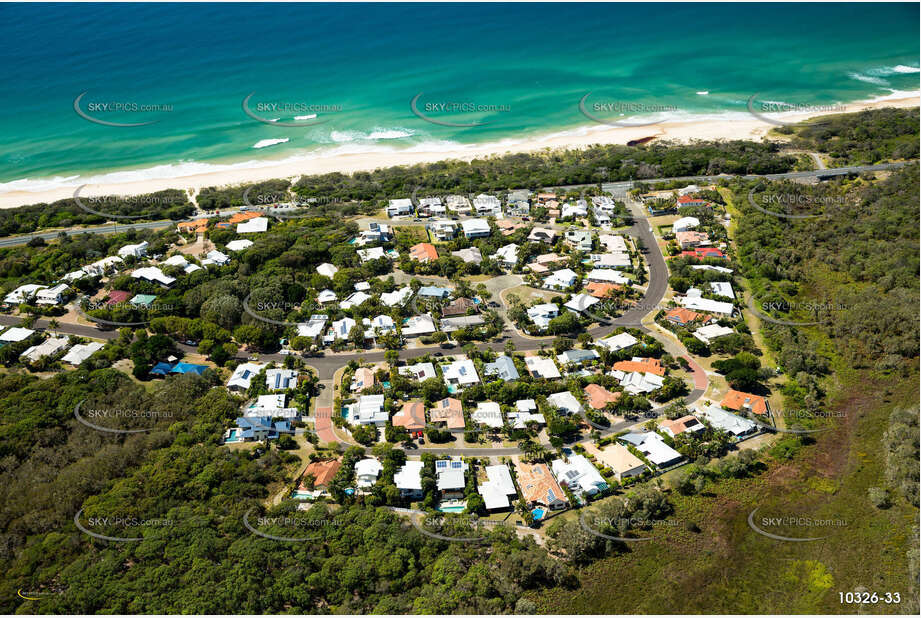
(451, 509)
(538, 514)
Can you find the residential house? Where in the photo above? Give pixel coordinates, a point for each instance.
(518, 203)
(255, 225)
(449, 478)
(459, 374)
(380, 325)
(366, 471)
(81, 352)
(368, 410)
(728, 422)
(342, 328)
(418, 325)
(503, 369)
(507, 256)
(705, 252)
(443, 229)
(313, 328)
(488, 413)
(686, 201)
(607, 275)
(470, 255)
(419, 371)
(48, 347)
(326, 297)
(400, 208)
(508, 227)
(577, 210)
(538, 487)
(411, 417)
(579, 475)
(374, 253)
(270, 406)
(693, 300)
(525, 412)
(459, 204)
(327, 270)
(683, 317)
(431, 207)
(654, 448)
(599, 397)
(216, 257)
(487, 205)
(614, 243)
(52, 296)
(722, 288)
(355, 299)
(580, 240)
(408, 480)
(621, 461)
(618, 342)
(16, 334)
(579, 303)
(397, 298)
(139, 250)
(260, 428)
(239, 244)
(542, 314)
(362, 380)
(635, 382)
(498, 491)
(708, 333)
(561, 280)
(565, 402)
(153, 275)
(280, 379)
(423, 252)
(433, 291)
(243, 376)
(602, 290)
(448, 411)
(691, 238)
(603, 203)
(576, 357)
(458, 306)
(739, 401)
(322, 472)
(684, 224)
(449, 325)
(540, 234)
(476, 228)
(642, 365)
(541, 367)
(678, 426)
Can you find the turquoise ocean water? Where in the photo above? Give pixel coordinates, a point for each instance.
(517, 70)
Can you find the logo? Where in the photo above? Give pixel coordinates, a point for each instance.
(623, 108)
(455, 107)
(792, 521)
(292, 522)
(122, 107)
(758, 110)
(305, 114)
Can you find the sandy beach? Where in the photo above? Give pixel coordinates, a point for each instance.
(741, 126)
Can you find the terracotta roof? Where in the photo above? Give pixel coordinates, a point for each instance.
(536, 483)
(198, 225)
(240, 217)
(449, 411)
(322, 471)
(423, 252)
(704, 252)
(680, 315)
(647, 365)
(680, 425)
(412, 416)
(737, 400)
(601, 290)
(687, 199)
(365, 376)
(599, 396)
(118, 296)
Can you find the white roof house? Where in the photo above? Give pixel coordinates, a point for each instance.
(356, 299)
(326, 296)
(719, 269)
(470, 255)
(460, 373)
(75, 275)
(607, 275)
(138, 250)
(541, 367)
(176, 260)
(458, 203)
(367, 471)
(611, 260)
(408, 478)
(380, 325)
(327, 270)
(16, 334)
(48, 347)
(243, 375)
(271, 406)
(23, 293)
(191, 268)
(618, 342)
(51, 296)
(708, 333)
(342, 328)
(578, 209)
(154, 275)
(581, 302)
(475, 228)
(722, 288)
(418, 325)
(684, 224)
(216, 257)
(727, 421)
(565, 402)
(614, 243)
(81, 352)
(507, 255)
(99, 267)
(419, 371)
(603, 202)
(280, 379)
(400, 207)
(499, 487)
(369, 410)
(579, 475)
(519, 420)
(561, 279)
(253, 226)
(313, 327)
(655, 449)
(635, 382)
(487, 205)
(488, 413)
(239, 245)
(397, 297)
(542, 314)
(698, 303)
(374, 253)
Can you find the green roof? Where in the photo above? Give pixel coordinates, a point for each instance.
(143, 299)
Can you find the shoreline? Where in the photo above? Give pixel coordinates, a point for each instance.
(746, 127)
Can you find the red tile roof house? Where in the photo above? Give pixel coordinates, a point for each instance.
(599, 396)
(681, 425)
(705, 252)
(117, 297)
(411, 417)
(322, 471)
(737, 400)
(687, 200)
(683, 317)
(458, 307)
(645, 365)
(449, 411)
(423, 252)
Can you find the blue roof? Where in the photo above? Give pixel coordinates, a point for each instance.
(188, 367)
(161, 369)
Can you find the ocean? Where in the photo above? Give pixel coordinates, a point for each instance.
(478, 73)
